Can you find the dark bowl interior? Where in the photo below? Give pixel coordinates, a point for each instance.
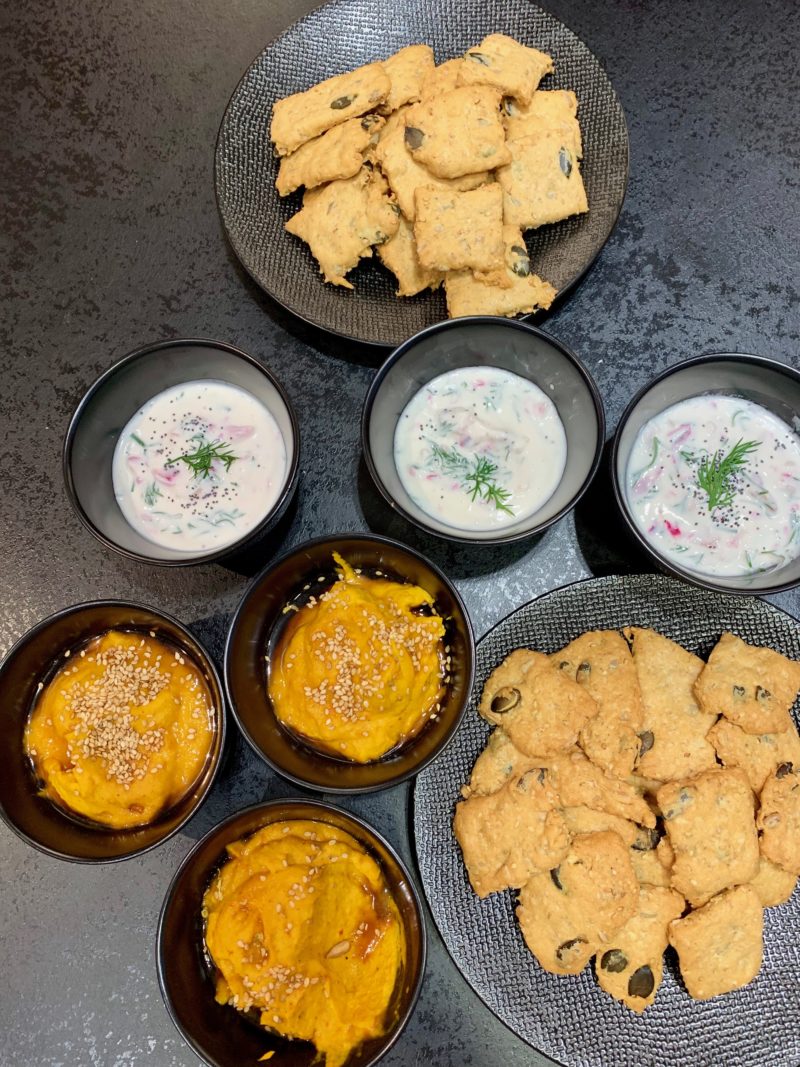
(774, 386)
(117, 396)
(219, 1034)
(246, 665)
(495, 342)
(37, 819)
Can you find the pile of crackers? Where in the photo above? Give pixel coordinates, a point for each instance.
(441, 167)
(638, 797)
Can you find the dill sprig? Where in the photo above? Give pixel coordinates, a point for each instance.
(202, 459)
(151, 493)
(715, 474)
(477, 476)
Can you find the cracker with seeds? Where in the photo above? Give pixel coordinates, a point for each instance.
(340, 222)
(399, 254)
(338, 153)
(303, 116)
(441, 79)
(542, 183)
(631, 966)
(779, 818)
(513, 290)
(773, 884)
(673, 725)
(504, 63)
(407, 70)
(720, 946)
(752, 687)
(710, 823)
(457, 231)
(405, 175)
(758, 755)
(509, 835)
(458, 133)
(579, 782)
(499, 762)
(554, 110)
(567, 914)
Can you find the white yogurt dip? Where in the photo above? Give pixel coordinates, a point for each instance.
(480, 448)
(714, 481)
(199, 466)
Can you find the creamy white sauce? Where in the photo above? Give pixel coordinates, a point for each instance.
(233, 471)
(480, 448)
(750, 523)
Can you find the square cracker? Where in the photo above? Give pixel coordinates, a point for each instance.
(457, 231)
(337, 153)
(298, 118)
(752, 687)
(341, 220)
(710, 824)
(506, 64)
(405, 175)
(459, 132)
(399, 254)
(580, 783)
(407, 70)
(514, 290)
(673, 726)
(773, 884)
(779, 818)
(758, 755)
(441, 79)
(720, 946)
(542, 183)
(554, 110)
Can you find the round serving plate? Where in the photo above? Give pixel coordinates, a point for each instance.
(570, 1018)
(345, 34)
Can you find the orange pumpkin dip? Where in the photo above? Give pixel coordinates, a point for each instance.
(357, 670)
(122, 731)
(303, 929)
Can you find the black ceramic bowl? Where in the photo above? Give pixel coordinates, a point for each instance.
(255, 623)
(766, 382)
(37, 819)
(118, 394)
(495, 342)
(218, 1034)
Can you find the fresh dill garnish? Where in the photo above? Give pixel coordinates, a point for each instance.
(202, 459)
(150, 494)
(138, 440)
(477, 476)
(715, 474)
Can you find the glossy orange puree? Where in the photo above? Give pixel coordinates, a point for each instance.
(302, 927)
(122, 731)
(358, 671)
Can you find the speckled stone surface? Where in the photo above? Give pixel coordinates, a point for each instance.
(111, 238)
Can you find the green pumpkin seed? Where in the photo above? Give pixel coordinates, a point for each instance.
(413, 137)
(641, 982)
(341, 102)
(556, 880)
(479, 57)
(567, 946)
(614, 960)
(646, 740)
(565, 162)
(763, 694)
(783, 770)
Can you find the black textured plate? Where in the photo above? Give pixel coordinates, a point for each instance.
(345, 34)
(572, 1019)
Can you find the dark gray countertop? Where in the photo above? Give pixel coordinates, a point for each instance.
(111, 239)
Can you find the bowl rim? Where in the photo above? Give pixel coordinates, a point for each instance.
(263, 574)
(493, 320)
(207, 664)
(693, 578)
(289, 486)
(312, 804)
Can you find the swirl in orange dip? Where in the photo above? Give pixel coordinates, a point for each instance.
(357, 670)
(122, 731)
(303, 929)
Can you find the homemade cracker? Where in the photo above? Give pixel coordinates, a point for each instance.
(342, 220)
(338, 153)
(752, 687)
(758, 755)
(399, 254)
(579, 782)
(456, 231)
(298, 118)
(720, 946)
(779, 818)
(441, 79)
(554, 110)
(542, 183)
(504, 63)
(773, 884)
(458, 133)
(497, 764)
(407, 70)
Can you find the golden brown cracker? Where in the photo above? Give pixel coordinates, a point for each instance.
(338, 153)
(542, 183)
(758, 755)
(555, 110)
(779, 818)
(458, 133)
(407, 70)
(456, 231)
(512, 68)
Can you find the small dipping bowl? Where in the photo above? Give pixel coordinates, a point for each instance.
(479, 341)
(34, 659)
(219, 1034)
(251, 636)
(115, 398)
(766, 382)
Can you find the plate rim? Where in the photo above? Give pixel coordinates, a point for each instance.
(541, 314)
